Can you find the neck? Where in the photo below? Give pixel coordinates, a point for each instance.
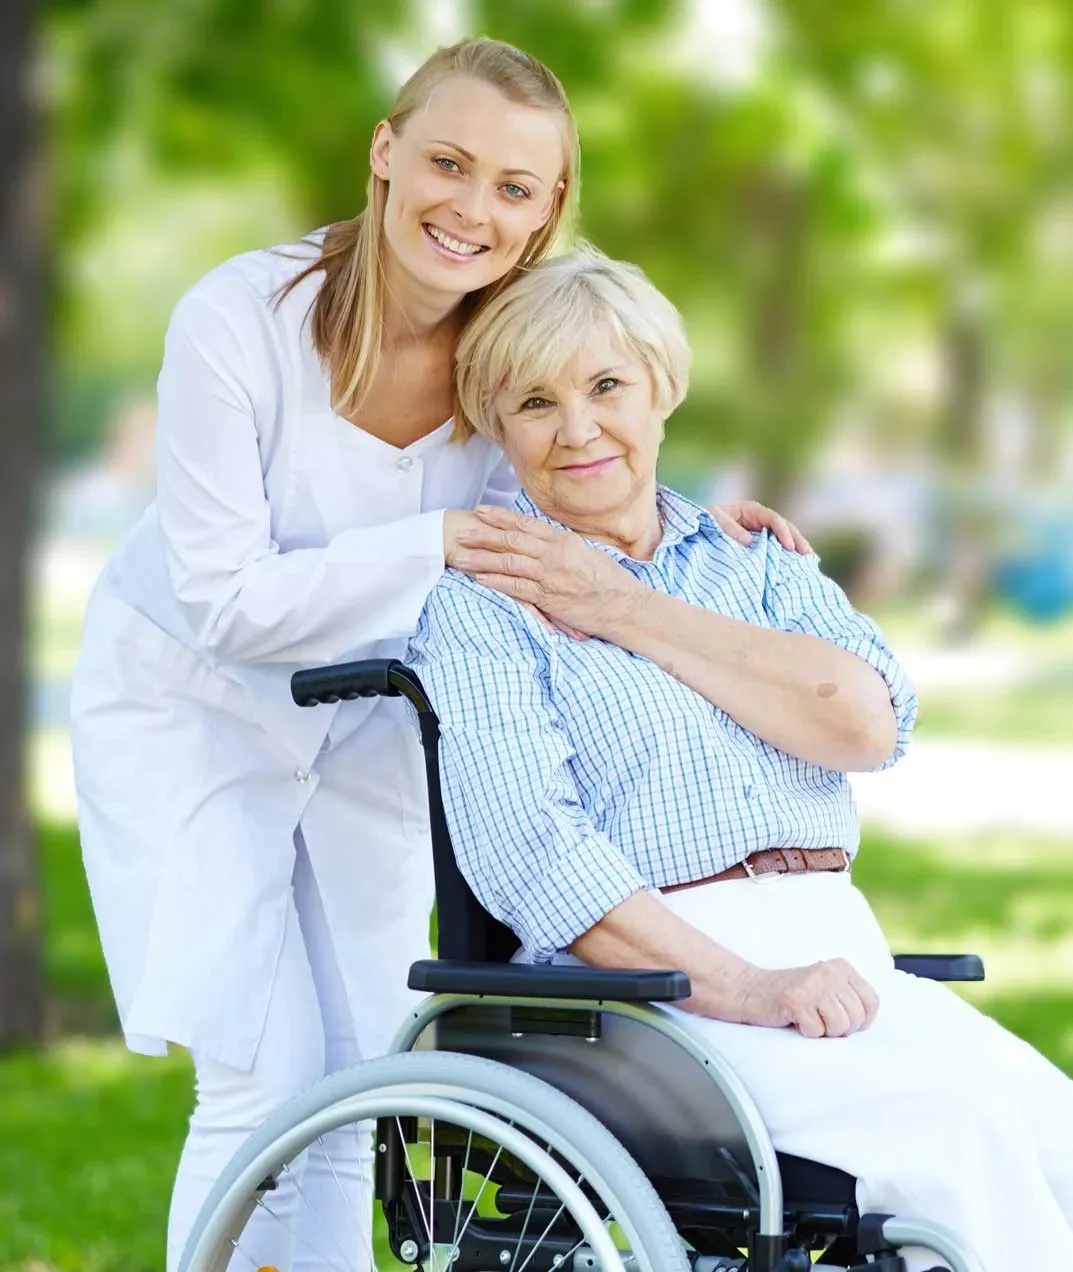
(414, 314)
(635, 529)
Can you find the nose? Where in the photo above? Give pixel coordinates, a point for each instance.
(578, 424)
(470, 204)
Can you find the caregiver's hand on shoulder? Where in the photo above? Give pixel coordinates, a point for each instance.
(825, 1000)
(741, 520)
(580, 589)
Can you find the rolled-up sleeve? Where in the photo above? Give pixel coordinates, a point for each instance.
(521, 836)
(798, 597)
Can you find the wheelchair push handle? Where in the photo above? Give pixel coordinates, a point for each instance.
(366, 678)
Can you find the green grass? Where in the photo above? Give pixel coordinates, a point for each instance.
(1039, 713)
(91, 1134)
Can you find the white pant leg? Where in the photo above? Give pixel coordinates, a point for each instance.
(323, 1204)
(336, 1186)
(231, 1104)
(919, 1107)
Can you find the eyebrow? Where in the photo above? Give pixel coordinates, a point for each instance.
(507, 172)
(540, 388)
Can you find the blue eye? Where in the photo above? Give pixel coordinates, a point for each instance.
(516, 191)
(448, 165)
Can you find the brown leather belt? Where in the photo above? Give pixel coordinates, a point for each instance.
(774, 861)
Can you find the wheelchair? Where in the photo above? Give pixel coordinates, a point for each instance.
(534, 1118)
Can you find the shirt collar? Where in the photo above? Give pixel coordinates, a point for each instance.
(682, 519)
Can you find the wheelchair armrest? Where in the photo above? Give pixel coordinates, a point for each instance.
(524, 980)
(942, 967)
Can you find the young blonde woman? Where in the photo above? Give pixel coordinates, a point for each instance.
(261, 875)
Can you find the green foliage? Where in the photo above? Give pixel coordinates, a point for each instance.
(880, 180)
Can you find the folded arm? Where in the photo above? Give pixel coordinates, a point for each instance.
(800, 685)
(530, 851)
(816, 681)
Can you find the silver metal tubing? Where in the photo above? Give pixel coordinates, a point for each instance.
(932, 1236)
(761, 1149)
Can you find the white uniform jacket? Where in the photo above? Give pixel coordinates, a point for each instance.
(281, 537)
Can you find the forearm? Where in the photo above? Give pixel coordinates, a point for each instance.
(799, 693)
(641, 932)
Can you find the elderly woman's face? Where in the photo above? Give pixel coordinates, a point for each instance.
(584, 447)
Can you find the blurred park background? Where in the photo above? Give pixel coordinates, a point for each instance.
(865, 212)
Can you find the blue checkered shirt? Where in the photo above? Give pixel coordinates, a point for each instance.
(576, 773)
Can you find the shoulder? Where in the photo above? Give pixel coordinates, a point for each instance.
(462, 614)
(243, 293)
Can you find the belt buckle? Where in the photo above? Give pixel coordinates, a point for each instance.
(764, 876)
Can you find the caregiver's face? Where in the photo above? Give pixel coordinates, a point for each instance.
(471, 177)
(584, 446)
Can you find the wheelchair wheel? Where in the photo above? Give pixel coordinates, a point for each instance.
(478, 1168)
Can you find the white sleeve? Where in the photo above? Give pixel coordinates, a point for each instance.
(502, 487)
(244, 599)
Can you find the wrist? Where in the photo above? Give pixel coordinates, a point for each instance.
(630, 614)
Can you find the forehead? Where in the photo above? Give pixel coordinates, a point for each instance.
(568, 358)
(497, 131)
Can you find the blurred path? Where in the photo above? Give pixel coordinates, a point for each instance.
(959, 787)
(946, 786)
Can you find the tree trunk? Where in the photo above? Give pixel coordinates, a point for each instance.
(21, 411)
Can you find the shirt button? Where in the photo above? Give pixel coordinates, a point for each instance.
(301, 775)
(404, 464)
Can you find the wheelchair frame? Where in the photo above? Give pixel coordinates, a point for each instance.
(689, 1122)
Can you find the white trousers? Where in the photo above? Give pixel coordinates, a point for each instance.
(939, 1112)
(320, 1215)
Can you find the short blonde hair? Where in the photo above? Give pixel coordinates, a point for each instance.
(527, 334)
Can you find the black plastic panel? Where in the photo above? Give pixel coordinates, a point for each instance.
(522, 980)
(942, 967)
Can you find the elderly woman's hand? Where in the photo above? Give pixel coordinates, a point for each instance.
(824, 1000)
(582, 590)
(741, 521)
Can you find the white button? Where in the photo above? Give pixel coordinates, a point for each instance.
(404, 464)
(300, 775)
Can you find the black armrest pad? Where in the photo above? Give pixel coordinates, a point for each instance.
(942, 967)
(523, 980)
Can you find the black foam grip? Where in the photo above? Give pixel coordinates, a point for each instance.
(368, 678)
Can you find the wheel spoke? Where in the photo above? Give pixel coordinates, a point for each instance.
(417, 1189)
(461, 1186)
(292, 1231)
(528, 1216)
(476, 1200)
(364, 1231)
(551, 1224)
(304, 1198)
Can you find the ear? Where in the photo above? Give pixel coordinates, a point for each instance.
(557, 194)
(380, 150)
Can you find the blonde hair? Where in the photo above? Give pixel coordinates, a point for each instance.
(348, 313)
(527, 334)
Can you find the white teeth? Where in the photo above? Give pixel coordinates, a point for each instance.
(453, 245)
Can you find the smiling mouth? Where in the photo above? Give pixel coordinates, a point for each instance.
(457, 249)
(594, 466)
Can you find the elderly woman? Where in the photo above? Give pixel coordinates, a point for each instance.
(673, 793)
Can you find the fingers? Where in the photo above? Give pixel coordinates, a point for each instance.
(729, 524)
(830, 1000)
(484, 562)
(506, 519)
(801, 544)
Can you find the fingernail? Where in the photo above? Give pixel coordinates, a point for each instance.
(486, 508)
